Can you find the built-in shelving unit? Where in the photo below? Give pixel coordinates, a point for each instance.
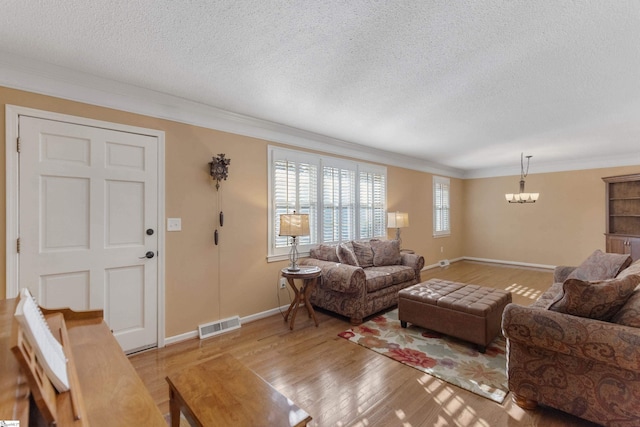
(623, 214)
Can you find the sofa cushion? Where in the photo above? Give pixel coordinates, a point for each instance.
(629, 314)
(601, 266)
(386, 252)
(324, 253)
(345, 254)
(364, 253)
(382, 277)
(596, 300)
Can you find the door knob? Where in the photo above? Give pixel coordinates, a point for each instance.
(149, 254)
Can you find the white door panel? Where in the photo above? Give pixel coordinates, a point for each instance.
(88, 195)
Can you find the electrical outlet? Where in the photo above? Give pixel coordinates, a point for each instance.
(283, 283)
(441, 249)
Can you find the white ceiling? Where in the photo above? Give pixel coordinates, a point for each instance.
(464, 85)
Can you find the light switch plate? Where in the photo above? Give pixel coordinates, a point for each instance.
(174, 224)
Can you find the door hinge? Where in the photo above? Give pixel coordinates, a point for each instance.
(18, 245)
(18, 144)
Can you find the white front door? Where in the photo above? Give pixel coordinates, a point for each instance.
(88, 223)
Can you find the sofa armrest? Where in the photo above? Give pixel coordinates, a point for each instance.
(590, 339)
(412, 260)
(338, 277)
(561, 272)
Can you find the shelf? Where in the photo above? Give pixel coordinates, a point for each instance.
(626, 215)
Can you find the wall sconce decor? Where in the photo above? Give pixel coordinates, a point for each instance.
(294, 225)
(219, 170)
(522, 197)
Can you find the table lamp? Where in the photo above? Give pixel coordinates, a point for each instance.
(294, 225)
(397, 220)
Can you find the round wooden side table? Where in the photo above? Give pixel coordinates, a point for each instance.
(309, 277)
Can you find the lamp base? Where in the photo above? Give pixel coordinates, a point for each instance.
(293, 268)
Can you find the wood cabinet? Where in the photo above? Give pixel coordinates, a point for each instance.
(623, 214)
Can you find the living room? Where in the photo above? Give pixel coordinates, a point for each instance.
(205, 282)
(562, 228)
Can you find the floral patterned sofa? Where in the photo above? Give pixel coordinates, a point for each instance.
(360, 278)
(577, 348)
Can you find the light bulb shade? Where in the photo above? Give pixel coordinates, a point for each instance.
(397, 219)
(524, 196)
(534, 196)
(294, 225)
(509, 197)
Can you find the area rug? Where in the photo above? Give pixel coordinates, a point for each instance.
(452, 360)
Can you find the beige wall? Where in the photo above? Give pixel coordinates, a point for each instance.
(562, 228)
(205, 282)
(411, 191)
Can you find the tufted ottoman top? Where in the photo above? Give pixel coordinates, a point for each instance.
(472, 299)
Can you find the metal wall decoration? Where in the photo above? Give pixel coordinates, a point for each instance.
(219, 171)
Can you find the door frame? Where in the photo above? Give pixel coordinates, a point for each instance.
(12, 114)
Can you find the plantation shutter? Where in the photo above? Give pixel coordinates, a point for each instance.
(441, 210)
(338, 204)
(372, 204)
(295, 189)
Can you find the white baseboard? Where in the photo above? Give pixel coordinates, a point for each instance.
(514, 263)
(194, 334)
(492, 261)
(437, 264)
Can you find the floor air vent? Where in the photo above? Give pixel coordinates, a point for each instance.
(443, 262)
(214, 328)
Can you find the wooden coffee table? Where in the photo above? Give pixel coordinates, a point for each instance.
(223, 392)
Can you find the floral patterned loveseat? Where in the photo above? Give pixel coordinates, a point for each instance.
(360, 278)
(577, 348)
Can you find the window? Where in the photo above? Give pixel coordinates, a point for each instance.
(345, 200)
(441, 207)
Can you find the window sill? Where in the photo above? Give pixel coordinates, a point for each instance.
(437, 236)
(285, 257)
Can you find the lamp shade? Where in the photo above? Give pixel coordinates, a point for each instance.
(294, 225)
(397, 219)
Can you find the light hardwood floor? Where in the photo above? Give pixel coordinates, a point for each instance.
(343, 384)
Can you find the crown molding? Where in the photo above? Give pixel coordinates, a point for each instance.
(549, 167)
(47, 79)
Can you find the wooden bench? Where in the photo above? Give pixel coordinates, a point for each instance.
(108, 390)
(223, 392)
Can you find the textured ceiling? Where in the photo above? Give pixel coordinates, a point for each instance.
(464, 84)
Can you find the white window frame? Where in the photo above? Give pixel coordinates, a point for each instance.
(278, 153)
(441, 206)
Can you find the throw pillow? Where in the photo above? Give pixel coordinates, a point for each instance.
(629, 314)
(596, 300)
(324, 253)
(632, 269)
(364, 253)
(346, 255)
(386, 252)
(601, 266)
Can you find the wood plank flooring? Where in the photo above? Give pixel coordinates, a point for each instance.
(343, 384)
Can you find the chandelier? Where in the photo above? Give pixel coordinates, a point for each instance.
(522, 196)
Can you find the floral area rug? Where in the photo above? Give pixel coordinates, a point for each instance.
(452, 360)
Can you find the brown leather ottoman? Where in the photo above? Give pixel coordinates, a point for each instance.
(469, 312)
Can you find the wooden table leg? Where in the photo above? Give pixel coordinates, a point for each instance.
(174, 408)
(295, 304)
(308, 288)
